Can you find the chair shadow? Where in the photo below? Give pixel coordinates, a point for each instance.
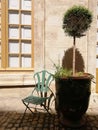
(68, 59)
(39, 120)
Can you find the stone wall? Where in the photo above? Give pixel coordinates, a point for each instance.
(50, 44)
(50, 41)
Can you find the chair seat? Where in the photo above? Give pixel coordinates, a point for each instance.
(35, 100)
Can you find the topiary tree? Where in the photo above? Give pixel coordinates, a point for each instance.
(75, 22)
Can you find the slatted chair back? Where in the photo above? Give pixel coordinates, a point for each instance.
(43, 80)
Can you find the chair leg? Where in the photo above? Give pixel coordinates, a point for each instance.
(23, 116)
(27, 106)
(46, 109)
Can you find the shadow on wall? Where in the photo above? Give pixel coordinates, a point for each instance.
(67, 60)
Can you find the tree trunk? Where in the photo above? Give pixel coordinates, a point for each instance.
(74, 49)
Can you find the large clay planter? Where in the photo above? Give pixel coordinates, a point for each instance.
(72, 97)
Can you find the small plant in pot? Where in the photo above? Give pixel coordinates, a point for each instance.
(73, 89)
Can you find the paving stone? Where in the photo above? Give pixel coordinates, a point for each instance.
(41, 121)
(20, 129)
(13, 129)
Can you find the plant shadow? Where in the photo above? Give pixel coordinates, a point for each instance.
(67, 60)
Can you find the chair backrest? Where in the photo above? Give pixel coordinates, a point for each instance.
(43, 80)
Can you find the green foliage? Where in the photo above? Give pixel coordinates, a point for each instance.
(76, 21)
(62, 72)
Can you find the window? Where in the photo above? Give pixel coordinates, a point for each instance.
(16, 35)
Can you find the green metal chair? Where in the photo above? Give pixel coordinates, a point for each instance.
(42, 94)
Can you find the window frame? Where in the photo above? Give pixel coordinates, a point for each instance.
(5, 38)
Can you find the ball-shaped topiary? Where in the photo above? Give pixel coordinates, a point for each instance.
(76, 21)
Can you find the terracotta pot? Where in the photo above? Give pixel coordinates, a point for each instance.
(72, 96)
